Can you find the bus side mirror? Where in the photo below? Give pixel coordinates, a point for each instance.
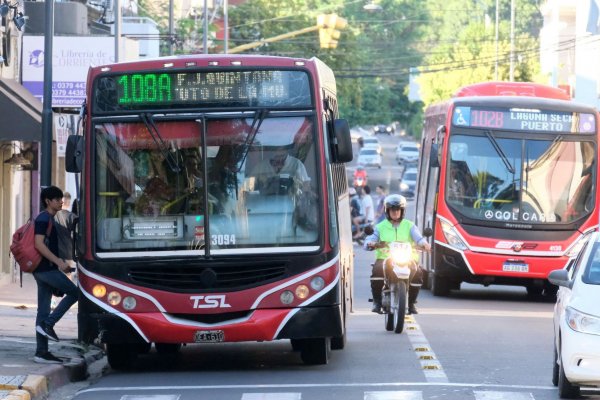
(434, 161)
(74, 154)
(342, 142)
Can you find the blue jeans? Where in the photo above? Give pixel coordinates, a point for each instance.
(47, 282)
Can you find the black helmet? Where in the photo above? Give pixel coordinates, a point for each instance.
(394, 202)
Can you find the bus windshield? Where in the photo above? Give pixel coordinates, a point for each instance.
(496, 178)
(250, 183)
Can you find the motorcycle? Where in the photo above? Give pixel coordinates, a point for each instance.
(360, 177)
(397, 270)
(364, 227)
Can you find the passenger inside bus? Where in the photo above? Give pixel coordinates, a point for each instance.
(280, 173)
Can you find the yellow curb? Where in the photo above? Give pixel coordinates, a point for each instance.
(18, 395)
(36, 385)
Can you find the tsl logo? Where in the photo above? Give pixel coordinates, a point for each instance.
(210, 301)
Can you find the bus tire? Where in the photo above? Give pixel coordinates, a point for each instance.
(439, 286)
(315, 351)
(121, 356)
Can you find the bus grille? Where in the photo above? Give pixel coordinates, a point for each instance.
(217, 278)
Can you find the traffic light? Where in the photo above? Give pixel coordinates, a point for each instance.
(329, 26)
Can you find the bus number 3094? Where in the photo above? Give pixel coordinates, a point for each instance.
(222, 240)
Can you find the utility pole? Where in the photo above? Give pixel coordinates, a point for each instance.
(117, 30)
(171, 30)
(497, 37)
(205, 28)
(512, 40)
(225, 27)
(46, 144)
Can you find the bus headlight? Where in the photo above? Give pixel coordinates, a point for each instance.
(99, 290)
(287, 297)
(302, 292)
(129, 303)
(452, 236)
(317, 283)
(114, 298)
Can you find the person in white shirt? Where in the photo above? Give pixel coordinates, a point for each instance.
(280, 165)
(368, 215)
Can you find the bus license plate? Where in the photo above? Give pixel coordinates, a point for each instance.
(209, 336)
(515, 267)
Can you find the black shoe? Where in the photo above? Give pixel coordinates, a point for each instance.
(47, 331)
(46, 358)
(412, 309)
(376, 308)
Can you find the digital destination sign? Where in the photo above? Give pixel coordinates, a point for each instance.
(524, 120)
(200, 89)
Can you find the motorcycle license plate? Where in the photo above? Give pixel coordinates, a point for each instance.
(515, 267)
(209, 336)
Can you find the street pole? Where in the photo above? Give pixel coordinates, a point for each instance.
(225, 27)
(205, 28)
(46, 144)
(117, 30)
(497, 37)
(171, 28)
(512, 40)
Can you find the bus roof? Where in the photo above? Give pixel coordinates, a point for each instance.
(512, 89)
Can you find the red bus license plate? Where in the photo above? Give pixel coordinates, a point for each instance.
(209, 336)
(515, 267)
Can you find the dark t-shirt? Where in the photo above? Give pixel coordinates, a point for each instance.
(41, 226)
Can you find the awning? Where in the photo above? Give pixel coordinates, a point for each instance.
(20, 113)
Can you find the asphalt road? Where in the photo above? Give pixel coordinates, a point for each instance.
(480, 343)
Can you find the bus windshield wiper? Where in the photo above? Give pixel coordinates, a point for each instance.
(259, 117)
(148, 120)
(501, 153)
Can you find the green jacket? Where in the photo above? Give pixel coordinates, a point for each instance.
(387, 233)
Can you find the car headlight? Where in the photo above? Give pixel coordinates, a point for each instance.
(403, 186)
(581, 322)
(452, 236)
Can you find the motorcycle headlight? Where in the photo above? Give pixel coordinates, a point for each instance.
(452, 236)
(581, 322)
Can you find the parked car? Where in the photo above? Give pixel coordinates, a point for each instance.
(577, 322)
(389, 129)
(369, 157)
(372, 143)
(408, 182)
(407, 153)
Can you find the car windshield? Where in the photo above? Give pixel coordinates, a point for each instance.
(592, 273)
(410, 149)
(410, 176)
(371, 141)
(368, 152)
(533, 181)
(254, 180)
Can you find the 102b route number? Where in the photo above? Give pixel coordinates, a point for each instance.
(222, 240)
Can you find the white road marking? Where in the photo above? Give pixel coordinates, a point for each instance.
(151, 397)
(317, 385)
(486, 313)
(432, 368)
(395, 395)
(479, 395)
(272, 396)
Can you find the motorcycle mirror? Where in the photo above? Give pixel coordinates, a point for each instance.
(368, 230)
(427, 232)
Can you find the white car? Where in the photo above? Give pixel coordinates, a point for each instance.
(372, 143)
(577, 322)
(407, 153)
(369, 157)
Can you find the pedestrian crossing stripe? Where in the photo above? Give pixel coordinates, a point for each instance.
(386, 395)
(272, 396)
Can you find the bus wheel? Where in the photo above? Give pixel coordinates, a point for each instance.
(315, 351)
(167, 348)
(338, 342)
(120, 356)
(439, 286)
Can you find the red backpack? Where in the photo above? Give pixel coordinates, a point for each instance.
(23, 246)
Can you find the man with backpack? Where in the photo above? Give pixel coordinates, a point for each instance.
(50, 277)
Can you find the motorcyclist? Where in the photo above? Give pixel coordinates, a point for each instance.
(395, 228)
(360, 172)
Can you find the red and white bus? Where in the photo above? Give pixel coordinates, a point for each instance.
(508, 182)
(214, 205)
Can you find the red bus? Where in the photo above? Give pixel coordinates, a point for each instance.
(507, 181)
(214, 205)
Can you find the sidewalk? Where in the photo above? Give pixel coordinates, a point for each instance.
(20, 377)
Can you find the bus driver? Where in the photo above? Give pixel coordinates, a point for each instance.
(279, 173)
